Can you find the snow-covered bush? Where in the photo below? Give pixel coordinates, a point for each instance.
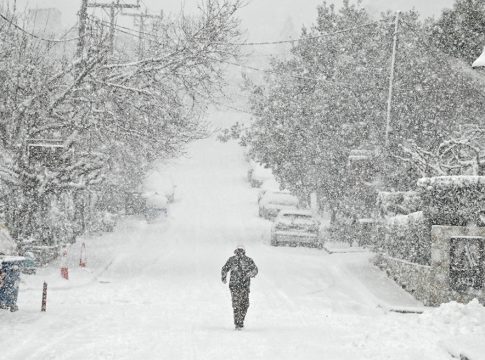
(111, 113)
(406, 237)
(453, 200)
(398, 203)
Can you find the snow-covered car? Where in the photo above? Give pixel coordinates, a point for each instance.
(296, 227)
(156, 205)
(160, 182)
(272, 202)
(29, 266)
(108, 221)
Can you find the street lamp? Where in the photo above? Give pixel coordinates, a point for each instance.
(480, 61)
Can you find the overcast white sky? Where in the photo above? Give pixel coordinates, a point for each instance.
(264, 19)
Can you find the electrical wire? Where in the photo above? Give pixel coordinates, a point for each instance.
(135, 33)
(309, 37)
(36, 36)
(124, 29)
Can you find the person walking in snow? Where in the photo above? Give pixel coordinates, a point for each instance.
(242, 269)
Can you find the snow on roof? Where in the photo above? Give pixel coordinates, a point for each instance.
(405, 219)
(11, 258)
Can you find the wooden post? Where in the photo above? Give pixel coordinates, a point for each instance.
(82, 258)
(113, 6)
(44, 297)
(141, 28)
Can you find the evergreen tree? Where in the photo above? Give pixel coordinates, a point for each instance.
(460, 32)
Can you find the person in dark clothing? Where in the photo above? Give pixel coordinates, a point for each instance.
(242, 269)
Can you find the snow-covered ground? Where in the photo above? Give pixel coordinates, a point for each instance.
(153, 291)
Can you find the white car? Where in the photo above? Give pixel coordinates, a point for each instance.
(296, 227)
(272, 202)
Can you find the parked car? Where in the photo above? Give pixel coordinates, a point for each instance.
(156, 206)
(272, 202)
(264, 191)
(30, 263)
(108, 221)
(160, 182)
(296, 227)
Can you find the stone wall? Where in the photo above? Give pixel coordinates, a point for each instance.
(432, 284)
(440, 289)
(413, 278)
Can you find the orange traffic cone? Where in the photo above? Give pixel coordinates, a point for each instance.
(82, 258)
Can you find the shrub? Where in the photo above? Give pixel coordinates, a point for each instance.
(398, 203)
(453, 200)
(406, 237)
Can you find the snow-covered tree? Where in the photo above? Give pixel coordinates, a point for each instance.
(114, 114)
(330, 98)
(459, 31)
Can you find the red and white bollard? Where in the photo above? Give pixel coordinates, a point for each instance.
(64, 268)
(82, 258)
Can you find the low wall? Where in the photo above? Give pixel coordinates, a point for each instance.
(413, 278)
(433, 285)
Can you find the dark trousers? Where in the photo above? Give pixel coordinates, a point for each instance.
(240, 304)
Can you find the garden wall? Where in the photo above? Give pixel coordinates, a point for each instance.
(413, 278)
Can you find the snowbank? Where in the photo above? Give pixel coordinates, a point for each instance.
(468, 324)
(466, 318)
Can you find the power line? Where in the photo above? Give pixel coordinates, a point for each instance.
(10, 21)
(298, 77)
(134, 33)
(123, 29)
(309, 37)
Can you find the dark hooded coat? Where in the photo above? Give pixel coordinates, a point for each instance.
(242, 269)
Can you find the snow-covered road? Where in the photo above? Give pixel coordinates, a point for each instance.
(153, 291)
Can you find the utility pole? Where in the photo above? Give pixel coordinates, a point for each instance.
(83, 15)
(113, 6)
(141, 28)
(391, 79)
